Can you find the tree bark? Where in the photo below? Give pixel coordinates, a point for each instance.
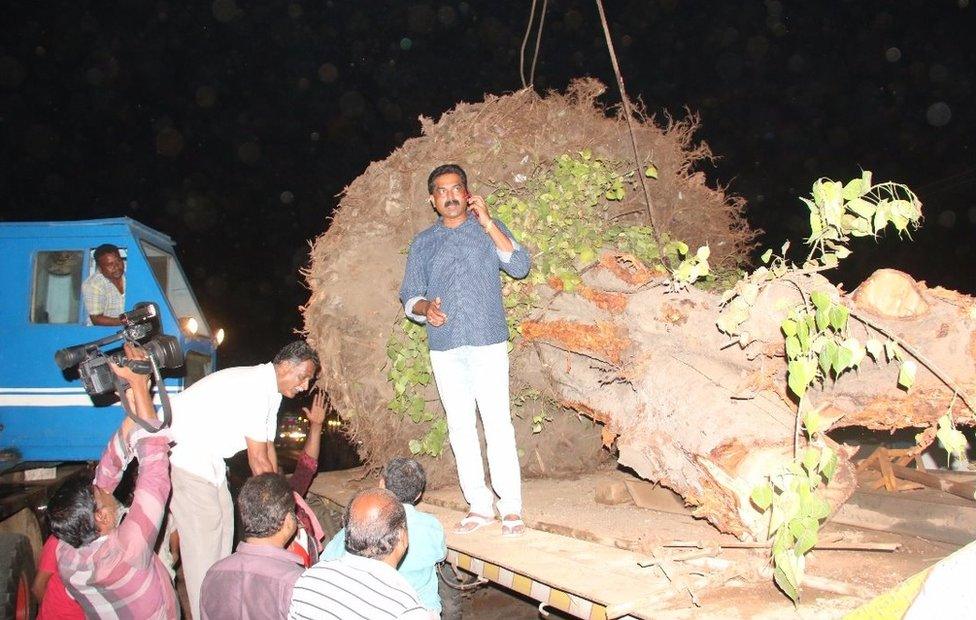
(711, 420)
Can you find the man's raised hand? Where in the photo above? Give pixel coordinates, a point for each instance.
(316, 415)
(134, 378)
(476, 205)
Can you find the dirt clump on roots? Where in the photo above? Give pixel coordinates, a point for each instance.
(357, 264)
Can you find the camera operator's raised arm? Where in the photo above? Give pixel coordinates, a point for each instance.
(137, 395)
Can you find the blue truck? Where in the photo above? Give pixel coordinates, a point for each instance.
(50, 428)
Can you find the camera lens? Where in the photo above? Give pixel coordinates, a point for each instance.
(69, 357)
(166, 351)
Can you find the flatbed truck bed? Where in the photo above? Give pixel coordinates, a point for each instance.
(586, 559)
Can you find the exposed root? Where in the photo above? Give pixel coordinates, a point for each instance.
(630, 269)
(604, 341)
(614, 303)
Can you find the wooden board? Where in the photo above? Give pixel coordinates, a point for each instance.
(927, 514)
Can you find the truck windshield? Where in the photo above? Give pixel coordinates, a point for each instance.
(171, 279)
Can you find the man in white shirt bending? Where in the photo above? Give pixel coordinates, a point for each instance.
(218, 416)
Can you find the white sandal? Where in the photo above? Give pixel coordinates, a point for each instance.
(473, 522)
(512, 527)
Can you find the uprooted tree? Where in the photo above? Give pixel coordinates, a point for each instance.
(611, 350)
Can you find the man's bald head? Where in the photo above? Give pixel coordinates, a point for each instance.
(375, 523)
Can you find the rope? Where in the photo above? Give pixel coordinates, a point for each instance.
(538, 38)
(628, 115)
(525, 39)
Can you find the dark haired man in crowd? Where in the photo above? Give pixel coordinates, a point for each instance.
(364, 582)
(406, 479)
(108, 567)
(215, 418)
(104, 290)
(452, 284)
(256, 580)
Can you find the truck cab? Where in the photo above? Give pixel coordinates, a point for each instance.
(45, 413)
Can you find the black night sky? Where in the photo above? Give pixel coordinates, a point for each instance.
(232, 125)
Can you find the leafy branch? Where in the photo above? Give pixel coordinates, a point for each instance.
(819, 347)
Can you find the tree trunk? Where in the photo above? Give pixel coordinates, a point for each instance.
(694, 411)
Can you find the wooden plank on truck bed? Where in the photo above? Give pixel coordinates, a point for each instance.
(925, 513)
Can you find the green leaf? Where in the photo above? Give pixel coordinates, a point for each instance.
(820, 299)
(792, 347)
(762, 496)
(415, 446)
(857, 351)
(852, 190)
(806, 539)
(950, 437)
(838, 317)
(787, 574)
(703, 253)
(822, 318)
(803, 333)
(892, 351)
(789, 327)
(842, 359)
(799, 375)
(829, 468)
(862, 208)
(906, 375)
(587, 255)
(651, 171)
(813, 423)
(826, 455)
(811, 458)
(824, 360)
(874, 348)
(766, 256)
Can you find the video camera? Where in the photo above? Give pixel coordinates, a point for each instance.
(138, 325)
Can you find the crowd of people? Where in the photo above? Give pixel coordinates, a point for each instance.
(382, 563)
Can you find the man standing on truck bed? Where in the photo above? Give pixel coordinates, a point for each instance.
(104, 290)
(215, 418)
(452, 284)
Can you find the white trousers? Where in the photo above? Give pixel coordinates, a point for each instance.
(204, 515)
(478, 376)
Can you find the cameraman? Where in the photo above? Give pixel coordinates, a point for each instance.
(220, 415)
(110, 569)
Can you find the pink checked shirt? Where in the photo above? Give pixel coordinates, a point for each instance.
(118, 575)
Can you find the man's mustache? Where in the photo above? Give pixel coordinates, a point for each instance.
(452, 203)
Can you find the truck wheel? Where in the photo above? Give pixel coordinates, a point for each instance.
(16, 577)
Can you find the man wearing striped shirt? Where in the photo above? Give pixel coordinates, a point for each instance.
(110, 569)
(104, 291)
(363, 583)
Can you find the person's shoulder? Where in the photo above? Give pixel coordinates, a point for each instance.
(92, 279)
(426, 235)
(232, 562)
(430, 521)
